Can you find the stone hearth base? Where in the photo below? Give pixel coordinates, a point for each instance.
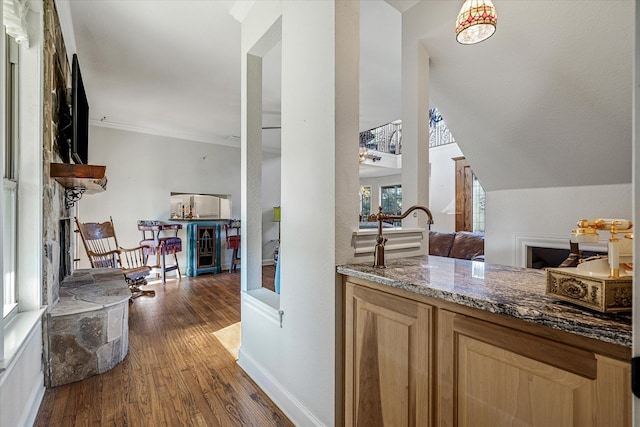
(87, 329)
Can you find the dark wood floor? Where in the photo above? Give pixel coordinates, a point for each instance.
(181, 368)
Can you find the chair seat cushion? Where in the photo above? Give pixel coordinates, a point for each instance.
(171, 245)
(233, 242)
(137, 272)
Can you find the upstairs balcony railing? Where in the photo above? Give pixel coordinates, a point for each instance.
(385, 139)
(388, 138)
(439, 133)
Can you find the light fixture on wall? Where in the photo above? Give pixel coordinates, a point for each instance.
(363, 155)
(476, 21)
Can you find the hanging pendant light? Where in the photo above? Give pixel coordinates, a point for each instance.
(476, 21)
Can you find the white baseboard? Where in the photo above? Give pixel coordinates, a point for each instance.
(38, 395)
(288, 403)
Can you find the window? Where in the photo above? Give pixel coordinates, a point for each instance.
(365, 202)
(10, 178)
(21, 193)
(391, 201)
(477, 203)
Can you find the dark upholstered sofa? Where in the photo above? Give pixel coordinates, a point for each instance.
(461, 245)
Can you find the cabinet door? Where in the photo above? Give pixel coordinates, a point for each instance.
(491, 375)
(388, 360)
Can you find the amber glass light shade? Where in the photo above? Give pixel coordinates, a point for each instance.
(476, 21)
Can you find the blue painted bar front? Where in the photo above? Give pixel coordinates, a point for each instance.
(203, 248)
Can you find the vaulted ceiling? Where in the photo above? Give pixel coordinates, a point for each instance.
(545, 102)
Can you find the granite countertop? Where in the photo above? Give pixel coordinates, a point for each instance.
(511, 291)
(90, 289)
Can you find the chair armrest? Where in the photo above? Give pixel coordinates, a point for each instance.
(138, 248)
(103, 254)
(133, 257)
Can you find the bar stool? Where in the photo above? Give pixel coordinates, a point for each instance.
(160, 245)
(233, 242)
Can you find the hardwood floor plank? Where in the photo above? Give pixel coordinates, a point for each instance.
(246, 387)
(87, 404)
(181, 368)
(199, 390)
(48, 410)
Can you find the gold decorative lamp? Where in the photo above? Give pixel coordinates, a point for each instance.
(600, 283)
(476, 21)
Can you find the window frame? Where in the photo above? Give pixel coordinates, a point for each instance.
(10, 167)
(397, 201)
(365, 197)
(17, 330)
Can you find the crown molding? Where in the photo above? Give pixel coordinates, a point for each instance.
(228, 141)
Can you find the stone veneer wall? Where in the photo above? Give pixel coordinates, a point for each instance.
(57, 75)
(88, 329)
(57, 80)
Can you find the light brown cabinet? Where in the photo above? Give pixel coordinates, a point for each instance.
(422, 362)
(388, 364)
(493, 375)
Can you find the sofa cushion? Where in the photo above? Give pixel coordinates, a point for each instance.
(440, 242)
(467, 245)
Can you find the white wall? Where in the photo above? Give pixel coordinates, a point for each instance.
(442, 186)
(297, 362)
(415, 126)
(143, 170)
(551, 212)
(380, 88)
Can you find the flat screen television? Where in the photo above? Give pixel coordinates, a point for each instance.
(79, 116)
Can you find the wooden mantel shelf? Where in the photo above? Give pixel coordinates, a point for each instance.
(90, 177)
(78, 180)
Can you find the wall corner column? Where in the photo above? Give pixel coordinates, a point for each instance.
(415, 127)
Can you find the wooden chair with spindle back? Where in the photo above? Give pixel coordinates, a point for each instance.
(101, 244)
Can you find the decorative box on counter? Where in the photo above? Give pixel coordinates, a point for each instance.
(603, 294)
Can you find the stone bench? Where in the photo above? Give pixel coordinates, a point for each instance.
(87, 329)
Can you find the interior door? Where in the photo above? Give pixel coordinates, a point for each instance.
(464, 195)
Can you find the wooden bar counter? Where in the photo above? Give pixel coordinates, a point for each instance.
(433, 341)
